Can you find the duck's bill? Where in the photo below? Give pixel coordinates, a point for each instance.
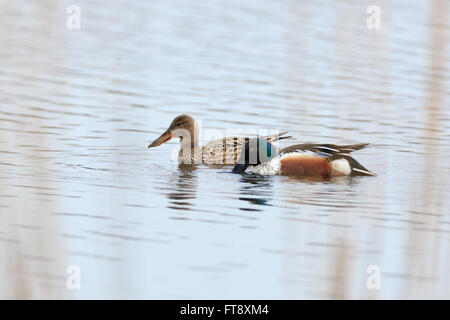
(239, 168)
(166, 136)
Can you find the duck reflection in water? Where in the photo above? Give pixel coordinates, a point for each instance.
(185, 189)
(256, 190)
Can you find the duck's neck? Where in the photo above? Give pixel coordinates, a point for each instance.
(190, 151)
(191, 141)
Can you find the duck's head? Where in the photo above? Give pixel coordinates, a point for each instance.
(183, 127)
(254, 152)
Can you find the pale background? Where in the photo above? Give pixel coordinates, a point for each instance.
(78, 185)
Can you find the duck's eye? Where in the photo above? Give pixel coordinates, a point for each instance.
(178, 124)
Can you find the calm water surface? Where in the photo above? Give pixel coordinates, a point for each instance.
(78, 185)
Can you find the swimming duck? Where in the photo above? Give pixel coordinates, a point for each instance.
(220, 151)
(259, 156)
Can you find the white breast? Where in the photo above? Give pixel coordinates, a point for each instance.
(268, 168)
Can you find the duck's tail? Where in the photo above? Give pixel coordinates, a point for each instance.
(277, 136)
(357, 168)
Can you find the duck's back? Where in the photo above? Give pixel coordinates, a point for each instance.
(226, 151)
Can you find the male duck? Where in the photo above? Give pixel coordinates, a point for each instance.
(220, 151)
(259, 156)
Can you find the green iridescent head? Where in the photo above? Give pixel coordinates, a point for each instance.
(254, 152)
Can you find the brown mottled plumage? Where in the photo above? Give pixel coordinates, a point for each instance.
(218, 152)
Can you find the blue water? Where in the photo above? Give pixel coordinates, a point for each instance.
(79, 187)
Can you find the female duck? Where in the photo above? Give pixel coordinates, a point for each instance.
(220, 151)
